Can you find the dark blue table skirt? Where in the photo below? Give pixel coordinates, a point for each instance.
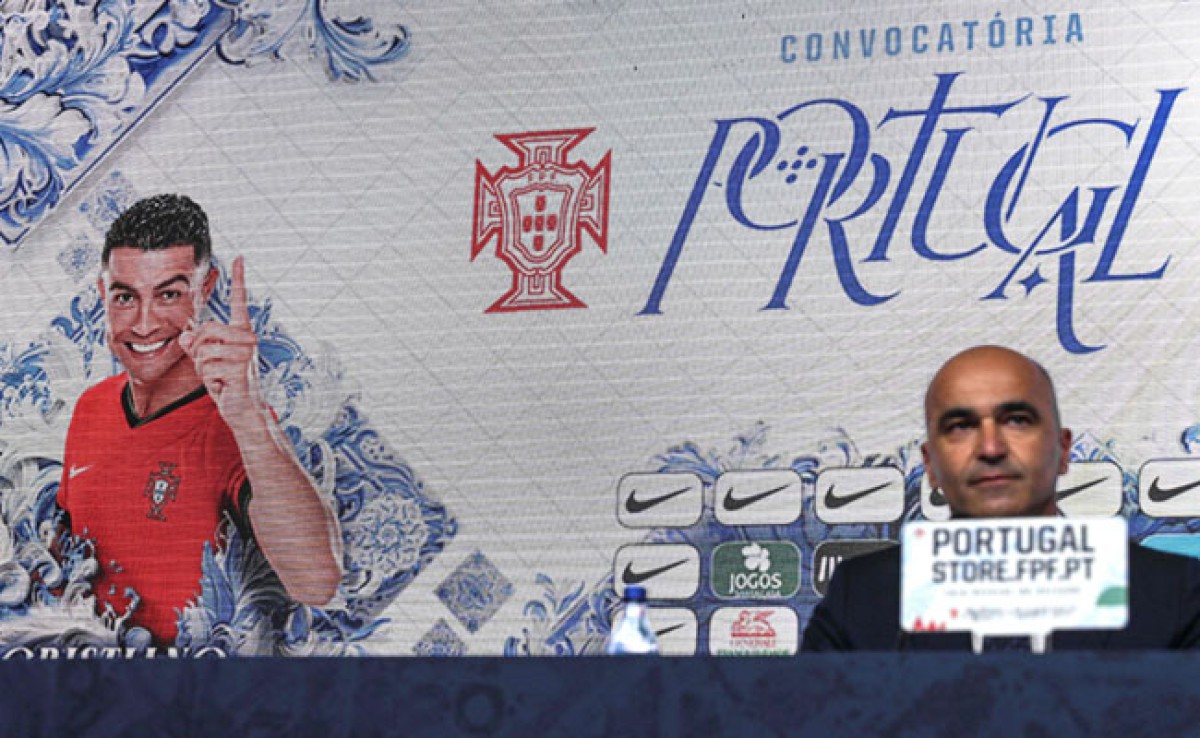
(1154, 694)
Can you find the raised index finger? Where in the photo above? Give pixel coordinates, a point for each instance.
(239, 313)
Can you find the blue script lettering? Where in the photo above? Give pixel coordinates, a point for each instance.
(849, 184)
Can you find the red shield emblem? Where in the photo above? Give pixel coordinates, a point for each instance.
(162, 487)
(537, 213)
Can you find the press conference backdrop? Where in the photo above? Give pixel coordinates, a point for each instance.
(554, 297)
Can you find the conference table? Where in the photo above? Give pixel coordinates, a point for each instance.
(1149, 693)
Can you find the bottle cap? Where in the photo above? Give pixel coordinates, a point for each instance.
(635, 593)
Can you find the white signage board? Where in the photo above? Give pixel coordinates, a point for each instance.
(1014, 576)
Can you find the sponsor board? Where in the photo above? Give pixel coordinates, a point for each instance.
(860, 495)
(755, 570)
(761, 497)
(754, 631)
(1170, 488)
(668, 571)
(829, 554)
(653, 500)
(933, 502)
(675, 629)
(1090, 489)
(1184, 544)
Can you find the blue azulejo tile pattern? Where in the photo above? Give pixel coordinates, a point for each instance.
(475, 591)
(441, 640)
(76, 77)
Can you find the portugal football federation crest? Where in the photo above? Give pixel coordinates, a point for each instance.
(537, 213)
(161, 488)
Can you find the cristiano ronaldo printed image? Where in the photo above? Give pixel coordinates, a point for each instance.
(158, 455)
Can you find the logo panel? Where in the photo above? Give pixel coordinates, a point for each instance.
(537, 213)
(1170, 488)
(754, 631)
(860, 494)
(1090, 489)
(162, 487)
(758, 497)
(668, 571)
(755, 570)
(675, 629)
(652, 500)
(934, 506)
(1184, 544)
(828, 554)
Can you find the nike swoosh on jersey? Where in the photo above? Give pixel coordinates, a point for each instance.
(833, 501)
(1078, 488)
(1162, 494)
(634, 505)
(737, 503)
(77, 470)
(629, 576)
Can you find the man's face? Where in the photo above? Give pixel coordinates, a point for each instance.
(994, 445)
(149, 298)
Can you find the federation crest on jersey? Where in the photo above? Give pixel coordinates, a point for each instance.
(162, 487)
(537, 213)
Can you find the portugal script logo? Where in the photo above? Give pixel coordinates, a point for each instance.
(537, 213)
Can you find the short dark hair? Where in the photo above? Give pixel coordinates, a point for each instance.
(159, 222)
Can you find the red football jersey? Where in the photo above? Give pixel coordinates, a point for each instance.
(150, 493)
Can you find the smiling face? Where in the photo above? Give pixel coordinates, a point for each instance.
(995, 446)
(149, 298)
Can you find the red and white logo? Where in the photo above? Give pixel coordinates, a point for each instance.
(754, 631)
(754, 625)
(537, 213)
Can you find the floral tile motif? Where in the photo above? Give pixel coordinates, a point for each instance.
(111, 198)
(441, 640)
(79, 259)
(475, 591)
(76, 76)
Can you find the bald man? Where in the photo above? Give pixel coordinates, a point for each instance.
(995, 446)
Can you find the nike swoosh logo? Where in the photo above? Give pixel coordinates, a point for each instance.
(77, 470)
(1076, 490)
(833, 502)
(629, 576)
(733, 504)
(634, 505)
(936, 498)
(1162, 494)
(669, 629)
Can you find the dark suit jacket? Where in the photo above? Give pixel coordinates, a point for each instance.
(861, 609)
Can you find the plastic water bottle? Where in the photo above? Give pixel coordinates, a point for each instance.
(633, 635)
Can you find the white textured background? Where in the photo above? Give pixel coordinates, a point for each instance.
(353, 206)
